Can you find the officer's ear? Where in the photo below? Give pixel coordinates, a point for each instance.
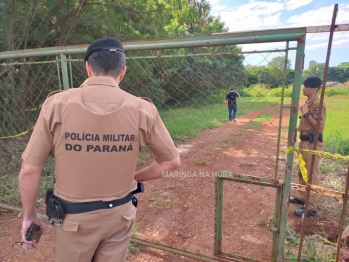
(122, 74)
(88, 69)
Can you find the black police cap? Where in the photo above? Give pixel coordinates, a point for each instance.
(313, 82)
(106, 43)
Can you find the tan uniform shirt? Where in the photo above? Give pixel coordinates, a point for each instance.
(314, 110)
(95, 133)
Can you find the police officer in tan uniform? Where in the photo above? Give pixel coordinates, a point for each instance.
(94, 133)
(308, 122)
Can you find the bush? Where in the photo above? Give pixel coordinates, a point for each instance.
(218, 96)
(275, 92)
(338, 144)
(244, 92)
(288, 92)
(260, 90)
(337, 91)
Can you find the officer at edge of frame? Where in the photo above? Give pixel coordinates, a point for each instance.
(307, 126)
(94, 133)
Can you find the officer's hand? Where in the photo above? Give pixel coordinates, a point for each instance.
(304, 108)
(27, 223)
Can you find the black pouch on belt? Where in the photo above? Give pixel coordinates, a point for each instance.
(140, 189)
(54, 209)
(311, 136)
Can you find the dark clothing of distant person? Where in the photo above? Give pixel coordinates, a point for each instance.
(231, 102)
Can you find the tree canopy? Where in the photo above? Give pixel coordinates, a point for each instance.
(28, 24)
(339, 73)
(45, 23)
(271, 75)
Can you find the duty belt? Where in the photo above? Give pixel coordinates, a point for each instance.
(77, 208)
(311, 137)
(304, 137)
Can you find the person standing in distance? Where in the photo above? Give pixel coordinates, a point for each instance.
(94, 133)
(307, 125)
(230, 101)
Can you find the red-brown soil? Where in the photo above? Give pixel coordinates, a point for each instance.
(179, 211)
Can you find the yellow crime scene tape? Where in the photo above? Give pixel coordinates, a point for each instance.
(18, 135)
(302, 165)
(24, 132)
(33, 109)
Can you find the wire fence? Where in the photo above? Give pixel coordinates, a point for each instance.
(176, 81)
(181, 82)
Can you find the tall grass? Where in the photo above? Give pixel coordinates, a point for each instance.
(260, 90)
(264, 91)
(313, 249)
(337, 144)
(337, 91)
(9, 184)
(184, 123)
(337, 122)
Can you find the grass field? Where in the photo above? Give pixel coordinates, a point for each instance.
(337, 122)
(337, 117)
(184, 123)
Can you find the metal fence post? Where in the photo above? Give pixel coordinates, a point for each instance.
(282, 106)
(292, 128)
(218, 216)
(64, 68)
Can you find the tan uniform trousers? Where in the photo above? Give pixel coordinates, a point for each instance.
(96, 236)
(316, 171)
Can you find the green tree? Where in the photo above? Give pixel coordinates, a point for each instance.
(344, 65)
(276, 68)
(43, 23)
(315, 70)
(272, 75)
(26, 24)
(261, 73)
(33, 24)
(343, 72)
(339, 73)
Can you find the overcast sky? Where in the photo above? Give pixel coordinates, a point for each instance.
(244, 15)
